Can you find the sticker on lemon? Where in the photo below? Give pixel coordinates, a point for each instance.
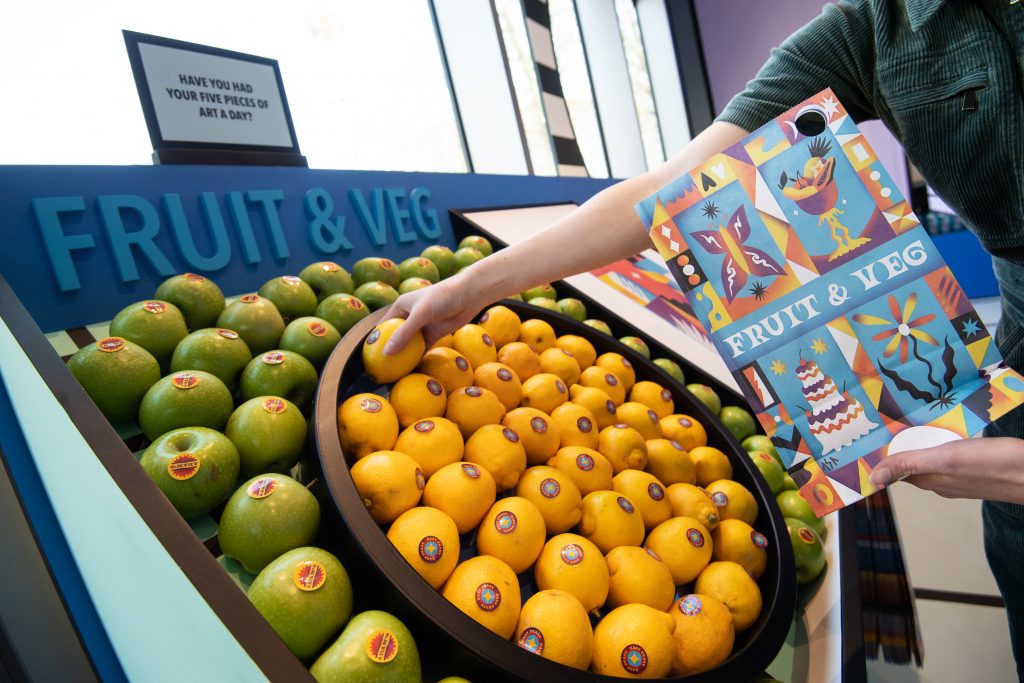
(502, 381)
(389, 483)
(417, 396)
(704, 634)
(523, 360)
(386, 369)
(429, 541)
(498, 450)
(624, 447)
(654, 396)
(554, 494)
(473, 342)
(647, 493)
(367, 423)
(576, 426)
(597, 402)
(432, 442)
(684, 430)
(447, 366)
(620, 365)
(554, 625)
(609, 519)
(688, 500)
(580, 348)
(545, 392)
(588, 469)
(637, 575)
(670, 463)
(684, 545)
(487, 590)
(513, 530)
(561, 363)
(731, 584)
(536, 432)
(733, 499)
(605, 380)
(573, 564)
(634, 641)
(463, 491)
(639, 417)
(472, 408)
(501, 323)
(736, 541)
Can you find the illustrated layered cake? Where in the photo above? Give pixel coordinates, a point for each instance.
(835, 418)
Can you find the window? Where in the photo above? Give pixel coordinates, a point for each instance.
(640, 82)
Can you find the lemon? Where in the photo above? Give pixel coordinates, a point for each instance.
(704, 634)
(472, 407)
(447, 366)
(620, 365)
(502, 381)
(609, 520)
(554, 493)
(487, 590)
(646, 493)
(639, 417)
(736, 541)
(581, 349)
(498, 450)
(443, 342)
(554, 625)
(575, 425)
(688, 500)
(733, 499)
(428, 540)
(624, 447)
(731, 584)
(536, 432)
(588, 469)
(637, 575)
(711, 463)
(386, 369)
(513, 531)
(560, 362)
(597, 402)
(367, 423)
(607, 381)
(683, 544)
(537, 334)
(417, 396)
(573, 564)
(433, 443)
(654, 396)
(684, 430)
(463, 491)
(670, 463)
(501, 323)
(634, 641)
(473, 342)
(523, 360)
(389, 483)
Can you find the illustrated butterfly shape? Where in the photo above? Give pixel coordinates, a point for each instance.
(741, 259)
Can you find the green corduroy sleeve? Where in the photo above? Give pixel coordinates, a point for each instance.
(835, 50)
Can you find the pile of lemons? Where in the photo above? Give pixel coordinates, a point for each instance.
(555, 460)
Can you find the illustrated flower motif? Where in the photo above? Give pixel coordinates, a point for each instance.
(901, 327)
(741, 259)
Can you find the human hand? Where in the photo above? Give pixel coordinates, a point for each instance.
(437, 310)
(988, 468)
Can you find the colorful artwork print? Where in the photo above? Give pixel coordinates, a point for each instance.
(835, 313)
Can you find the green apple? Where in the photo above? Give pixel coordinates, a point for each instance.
(373, 269)
(467, 256)
(266, 517)
(198, 298)
(544, 290)
(760, 442)
(707, 396)
(442, 257)
(412, 284)
(599, 325)
(280, 373)
(672, 368)
(256, 320)
(326, 278)
(808, 550)
(376, 295)
(544, 302)
(788, 484)
(312, 338)
(792, 504)
(306, 596)
(769, 468)
(192, 398)
(216, 350)
(156, 326)
(343, 311)
(515, 297)
(738, 420)
(195, 467)
(419, 266)
(638, 345)
(481, 244)
(291, 295)
(116, 374)
(375, 647)
(269, 433)
(573, 308)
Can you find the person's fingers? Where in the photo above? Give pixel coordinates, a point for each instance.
(418, 314)
(937, 460)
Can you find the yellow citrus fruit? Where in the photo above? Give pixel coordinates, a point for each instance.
(432, 442)
(417, 396)
(737, 541)
(428, 540)
(367, 423)
(473, 342)
(730, 583)
(688, 500)
(389, 483)
(513, 531)
(537, 334)
(554, 493)
(704, 634)
(647, 493)
(576, 426)
(501, 323)
(498, 450)
(605, 380)
(581, 349)
(573, 564)
(545, 392)
(473, 407)
(554, 625)
(670, 463)
(638, 575)
(501, 380)
(559, 362)
(463, 491)
(386, 369)
(682, 543)
(487, 590)
(620, 365)
(639, 417)
(523, 360)
(443, 342)
(588, 469)
(624, 447)
(654, 396)
(711, 463)
(634, 641)
(597, 402)
(733, 499)
(684, 430)
(610, 519)
(447, 366)
(536, 432)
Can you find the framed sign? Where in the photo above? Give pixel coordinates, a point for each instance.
(207, 105)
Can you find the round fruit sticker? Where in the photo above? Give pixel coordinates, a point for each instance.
(424, 426)
(510, 434)
(549, 488)
(505, 522)
(690, 605)
(485, 316)
(184, 380)
(329, 266)
(487, 339)
(249, 298)
(488, 597)
(560, 386)
(382, 646)
(373, 336)
(532, 640)
(685, 422)
(655, 491)
(759, 540)
(110, 344)
(183, 466)
(421, 481)
(611, 379)
(370, 405)
(585, 462)
(568, 353)
(194, 277)
(610, 406)
(806, 535)
(625, 361)
(471, 471)
(625, 504)
(652, 415)
(461, 363)
(434, 387)
(666, 395)
(290, 280)
(721, 500)
(387, 264)
(262, 487)
(431, 549)
(309, 576)
(764, 456)
(584, 424)
(317, 328)
(678, 446)
(634, 659)
(695, 537)
(226, 333)
(273, 358)
(653, 554)
(504, 374)
(475, 392)
(539, 425)
(572, 554)
(274, 405)
(155, 306)
(354, 303)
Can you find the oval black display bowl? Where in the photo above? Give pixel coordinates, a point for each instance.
(449, 641)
